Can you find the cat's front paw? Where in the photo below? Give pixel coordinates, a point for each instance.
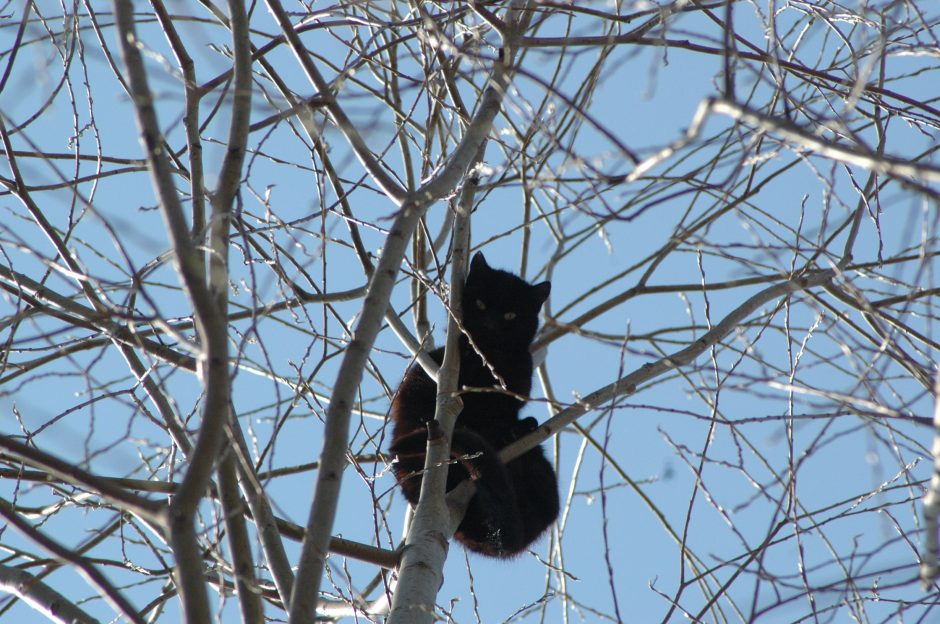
(524, 427)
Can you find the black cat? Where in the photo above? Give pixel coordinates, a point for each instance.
(515, 502)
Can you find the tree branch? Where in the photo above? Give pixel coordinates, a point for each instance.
(108, 591)
(42, 597)
(336, 431)
(151, 512)
(421, 571)
(930, 549)
(627, 384)
(210, 325)
(392, 189)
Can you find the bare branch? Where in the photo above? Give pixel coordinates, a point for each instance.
(90, 572)
(210, 324)
(930, 551)
(42, 597)
(628, 384)
(150, 511)
(422, 566)
(681, 173)
(323, 511)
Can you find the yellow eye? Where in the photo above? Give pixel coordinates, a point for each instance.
(480, 305)
(509, 316)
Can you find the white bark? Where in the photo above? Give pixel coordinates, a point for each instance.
(422, 564)
(931, 548)
(336, 431)
(42, 598)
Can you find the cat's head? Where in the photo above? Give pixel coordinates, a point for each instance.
(499, 307)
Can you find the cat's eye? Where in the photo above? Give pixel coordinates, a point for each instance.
(480, 305)
(509, 316)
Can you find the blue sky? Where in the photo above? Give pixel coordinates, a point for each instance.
(745, 405)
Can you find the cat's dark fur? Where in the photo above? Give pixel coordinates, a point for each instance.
(514, 502)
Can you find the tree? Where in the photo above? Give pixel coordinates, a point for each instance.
(229, 228)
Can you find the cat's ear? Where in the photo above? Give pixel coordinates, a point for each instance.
(541, 291)
(478, 262)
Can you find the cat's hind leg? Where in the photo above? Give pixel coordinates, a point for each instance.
(492, 525)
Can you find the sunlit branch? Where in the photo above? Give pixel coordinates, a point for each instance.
(394, 191)
(627, 384)
(930, 550)
(210, 325)
(858, 155)
(332, 458)
(421, 571)
(68, 472)
(90, 572)
(42, 597)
